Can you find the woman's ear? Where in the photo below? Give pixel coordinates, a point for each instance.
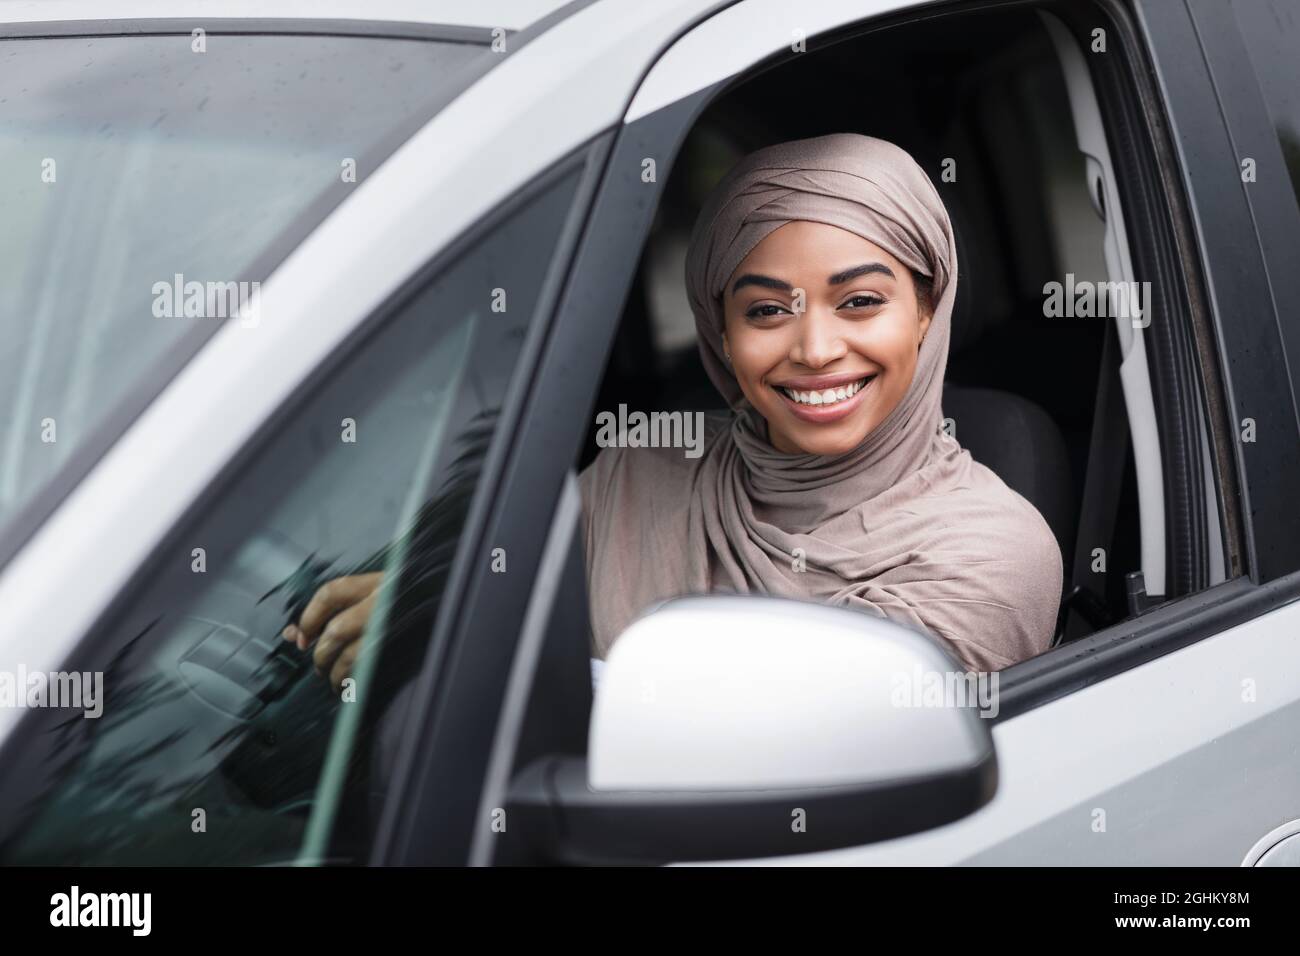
(924, 287)
(926, 316)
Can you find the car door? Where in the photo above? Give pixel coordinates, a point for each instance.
(1116, 747)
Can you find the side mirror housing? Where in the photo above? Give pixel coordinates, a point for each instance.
(730, 727)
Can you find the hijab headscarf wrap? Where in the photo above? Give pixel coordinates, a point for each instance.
(905, 525)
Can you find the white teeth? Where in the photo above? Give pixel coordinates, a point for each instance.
(827, 396)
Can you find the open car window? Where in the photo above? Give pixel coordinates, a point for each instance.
(1073, 372)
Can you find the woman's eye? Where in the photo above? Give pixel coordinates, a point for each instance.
(863, 302)
(765, 311)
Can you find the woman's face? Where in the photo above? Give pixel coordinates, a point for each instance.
(825, 367)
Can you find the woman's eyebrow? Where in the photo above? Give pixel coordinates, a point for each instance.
(862, 270)
(767, 282)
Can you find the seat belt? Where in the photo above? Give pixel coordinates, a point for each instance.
(1084, 609)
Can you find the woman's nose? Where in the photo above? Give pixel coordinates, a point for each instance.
(819, 341)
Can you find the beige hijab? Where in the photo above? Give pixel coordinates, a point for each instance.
(906, 525)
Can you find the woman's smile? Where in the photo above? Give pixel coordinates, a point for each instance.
(821, 399)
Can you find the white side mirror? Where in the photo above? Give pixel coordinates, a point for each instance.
(737, 692)
(744, 727)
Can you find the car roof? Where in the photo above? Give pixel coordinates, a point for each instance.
(508, 14)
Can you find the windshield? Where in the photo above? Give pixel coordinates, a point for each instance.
(148, 184)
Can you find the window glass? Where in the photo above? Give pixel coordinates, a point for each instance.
(206, 708)
(135, 169)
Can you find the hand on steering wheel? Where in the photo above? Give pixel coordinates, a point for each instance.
(334, 618)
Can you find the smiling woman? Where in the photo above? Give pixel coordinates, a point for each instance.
(823, 358)
(822, 275)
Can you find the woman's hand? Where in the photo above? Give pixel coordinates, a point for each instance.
(335, 617)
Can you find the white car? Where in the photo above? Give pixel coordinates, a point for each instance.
(296, 290)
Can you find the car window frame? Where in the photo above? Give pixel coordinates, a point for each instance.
(1251, 322)
(1137, 640)
(444, 750)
